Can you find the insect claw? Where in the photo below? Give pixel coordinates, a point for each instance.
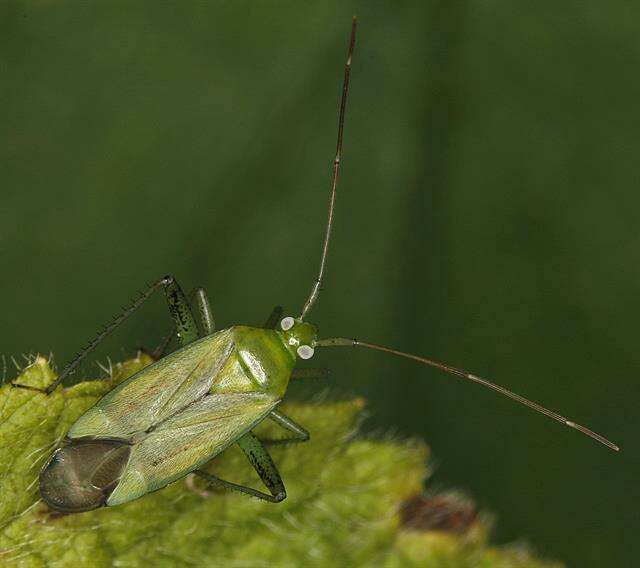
(190, 482)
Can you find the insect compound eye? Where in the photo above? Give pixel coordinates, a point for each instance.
(287, 323)
(305, 352)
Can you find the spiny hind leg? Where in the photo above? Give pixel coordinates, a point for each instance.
(200, 307)
(261, 461)
(179, 309)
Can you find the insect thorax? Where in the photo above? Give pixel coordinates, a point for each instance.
(260, 362)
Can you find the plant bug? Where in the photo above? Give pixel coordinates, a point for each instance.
(177, 414)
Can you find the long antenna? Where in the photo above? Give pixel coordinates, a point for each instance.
(342, 341)
(315, 290)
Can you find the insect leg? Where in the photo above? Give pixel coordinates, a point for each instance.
(263, 464)
(274, 318)
(180, 312)
(197, 297)
(300, 434)
(312, 373)
(161, 349)
(185, 325)
(203, 310)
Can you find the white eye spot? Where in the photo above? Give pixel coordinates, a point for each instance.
(293, 341)
(287, 323)
(305, 352)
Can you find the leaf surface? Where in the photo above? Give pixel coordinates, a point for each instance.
(345, 498)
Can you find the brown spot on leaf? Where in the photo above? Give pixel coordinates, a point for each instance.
(446, 512)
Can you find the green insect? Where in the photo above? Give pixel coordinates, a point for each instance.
(174, 416)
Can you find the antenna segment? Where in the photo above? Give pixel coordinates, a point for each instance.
(315, 290)
(342, 341)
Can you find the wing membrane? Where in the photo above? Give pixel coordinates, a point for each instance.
(188, 440)
(157, 392)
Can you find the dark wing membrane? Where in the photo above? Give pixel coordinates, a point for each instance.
(81, 475)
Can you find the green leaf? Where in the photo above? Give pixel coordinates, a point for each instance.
(351, 501)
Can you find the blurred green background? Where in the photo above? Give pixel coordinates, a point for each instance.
(487, 214)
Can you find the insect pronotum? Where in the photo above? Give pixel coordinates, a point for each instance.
(175, 415)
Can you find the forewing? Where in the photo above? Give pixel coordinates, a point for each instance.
(157, 392)
(188, 440)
